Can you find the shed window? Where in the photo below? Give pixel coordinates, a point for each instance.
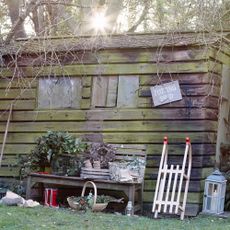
(59, 92)
(128, 91)
(112, 91)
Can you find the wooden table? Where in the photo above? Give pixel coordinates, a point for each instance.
(133, 190)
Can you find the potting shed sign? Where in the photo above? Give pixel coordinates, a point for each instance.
(166, 93)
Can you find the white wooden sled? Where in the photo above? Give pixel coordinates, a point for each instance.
(170, 179)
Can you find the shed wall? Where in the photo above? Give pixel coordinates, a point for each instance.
(194, 116)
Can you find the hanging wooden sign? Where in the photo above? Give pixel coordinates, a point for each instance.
(166, 93)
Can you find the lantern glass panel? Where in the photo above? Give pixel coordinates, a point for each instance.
(210, 189)
(208, 203)
(215, 189)
(221, 204)
(214, 204)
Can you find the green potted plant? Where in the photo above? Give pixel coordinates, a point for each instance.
(60, 150)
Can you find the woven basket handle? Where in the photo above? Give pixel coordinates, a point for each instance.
(95, 190)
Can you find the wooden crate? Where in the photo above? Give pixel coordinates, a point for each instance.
(92, 173)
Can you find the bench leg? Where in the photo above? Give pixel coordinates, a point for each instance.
(140, 197)
(131, 195)
(28, 188)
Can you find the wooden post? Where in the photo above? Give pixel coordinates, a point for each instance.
(5, 135)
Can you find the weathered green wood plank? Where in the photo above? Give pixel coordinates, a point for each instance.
(9, 160)
(99, 91)
(46, 115)
(18, 104)
(195, 198)
(220, 56)
(196, 173)
(86, 92)
(151, 150)
(122, 137)
(17, 93)
(118, 69)
(17, 148)
(104, 92)
(85, 103)
(224, 48)
(127, 95)
(113, 114)
(187, 90)
(194, 185)
(125, 56)
(197, 161)
(206, 172)
(17, 83)
(86, 81)
(151, 114)
(186, 102)
(151, 137)
(112, 126)
(152, 55)
(192, 78)
(178, 149)
(9, 172)
(111, 99)
(215, 67)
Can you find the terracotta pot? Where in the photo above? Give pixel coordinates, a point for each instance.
(97, 164)
(88, 164)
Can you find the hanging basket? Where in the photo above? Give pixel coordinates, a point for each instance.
(96, 207)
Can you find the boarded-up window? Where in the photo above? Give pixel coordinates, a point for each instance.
(128, 91)
(59, 92)
(104, 92)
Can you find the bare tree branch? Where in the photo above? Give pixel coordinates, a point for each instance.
(141, 18)
(63, 2)
(31, 7)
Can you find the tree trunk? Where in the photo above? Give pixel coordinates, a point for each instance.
(86, 14)
(113, 10)
(19, 22)
(14, 9)
(73, 24)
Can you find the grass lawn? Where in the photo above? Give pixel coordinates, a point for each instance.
(48, 218)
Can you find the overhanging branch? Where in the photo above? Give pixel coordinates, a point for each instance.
(141, 18)
(33, 4)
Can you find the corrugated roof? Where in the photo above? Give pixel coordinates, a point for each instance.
(62, 44)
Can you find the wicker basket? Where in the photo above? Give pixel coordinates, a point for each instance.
(97, 207)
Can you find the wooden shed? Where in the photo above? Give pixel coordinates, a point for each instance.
(99, 88)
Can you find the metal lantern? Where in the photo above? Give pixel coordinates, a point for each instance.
(214, 193)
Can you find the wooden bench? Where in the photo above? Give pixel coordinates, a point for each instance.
(133, 190)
